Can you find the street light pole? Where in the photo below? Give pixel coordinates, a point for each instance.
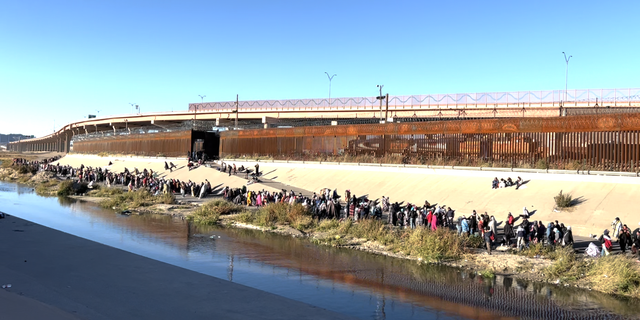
(380, 97)
(566, 76)
(330, 78)
(132, 105)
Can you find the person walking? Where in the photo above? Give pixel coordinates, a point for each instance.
(487, 237)
(567, 238)
(520, 235)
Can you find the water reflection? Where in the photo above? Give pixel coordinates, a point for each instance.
(350, 282)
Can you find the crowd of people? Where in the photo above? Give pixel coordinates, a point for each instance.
(518, 231)
(130, 179)
(36, 164)
(624, 236)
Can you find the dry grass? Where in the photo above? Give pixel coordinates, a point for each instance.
(210, 212)
(136, 199)
(47, 188)
(421, 243)
(327, 224)
(615, 274)
(106, 192)
(295, 215)
(536, 250)
(567, 265)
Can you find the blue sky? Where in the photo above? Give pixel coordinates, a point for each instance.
(62, 60)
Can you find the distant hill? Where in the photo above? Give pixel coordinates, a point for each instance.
(6, 138)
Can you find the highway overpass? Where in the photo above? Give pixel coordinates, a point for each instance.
(301, 112)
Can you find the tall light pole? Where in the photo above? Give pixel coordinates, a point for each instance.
(132, 105)
(380, 97)
(566, 76)
(330, 78)
(201, 98)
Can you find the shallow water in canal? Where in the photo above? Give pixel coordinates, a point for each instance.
(350, 282)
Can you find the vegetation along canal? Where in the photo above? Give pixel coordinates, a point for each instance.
(350, 282)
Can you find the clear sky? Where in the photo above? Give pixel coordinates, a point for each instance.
(61, 60)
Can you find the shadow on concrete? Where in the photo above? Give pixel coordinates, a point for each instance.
(272, 171)
(577, 201)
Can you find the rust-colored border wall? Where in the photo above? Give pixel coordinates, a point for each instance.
(607, 142)
(170, 144)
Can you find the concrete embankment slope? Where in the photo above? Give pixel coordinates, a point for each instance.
(157, 165)
(600, 198)
(55, 275)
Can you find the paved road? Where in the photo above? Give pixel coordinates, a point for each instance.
(55, 275)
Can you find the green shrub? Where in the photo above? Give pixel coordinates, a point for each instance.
(487, 274)
(563, 200)
(24, 169)
(81, 187)
(65, 188)
(246, 217)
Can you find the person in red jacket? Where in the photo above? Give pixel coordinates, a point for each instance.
(606, 243)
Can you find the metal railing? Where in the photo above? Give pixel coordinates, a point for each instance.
(577, 97)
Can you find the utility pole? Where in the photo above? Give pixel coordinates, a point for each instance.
(330, 78)
(380, 97)
(566, 76)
